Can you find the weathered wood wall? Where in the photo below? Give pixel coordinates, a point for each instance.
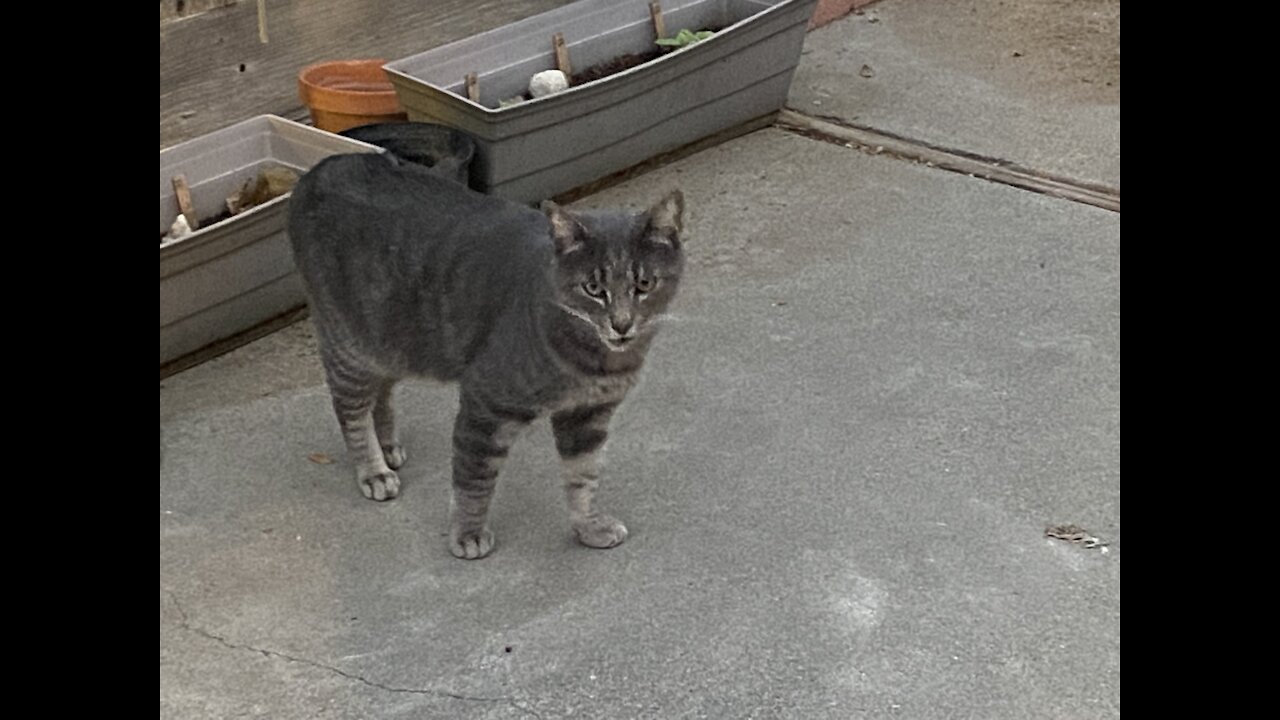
(215, 71)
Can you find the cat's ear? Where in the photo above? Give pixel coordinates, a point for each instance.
(564, 229)
(666, 218)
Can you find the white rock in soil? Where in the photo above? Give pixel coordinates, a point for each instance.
(179, 228)
(547, 82)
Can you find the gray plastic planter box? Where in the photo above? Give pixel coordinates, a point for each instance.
(543, 147)
(231, 276)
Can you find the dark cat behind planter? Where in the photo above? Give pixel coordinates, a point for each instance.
(447, 151)
(531, 313)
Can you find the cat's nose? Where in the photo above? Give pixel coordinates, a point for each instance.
(622, 327)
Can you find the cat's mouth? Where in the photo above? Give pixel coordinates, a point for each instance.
(619, 343)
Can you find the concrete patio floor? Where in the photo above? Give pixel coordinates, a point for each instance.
(882, 383)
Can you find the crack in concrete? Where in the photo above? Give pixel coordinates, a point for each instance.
(838, 131)
(185, 624)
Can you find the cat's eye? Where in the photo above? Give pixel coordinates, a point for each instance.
(644, 285)
(593, 288)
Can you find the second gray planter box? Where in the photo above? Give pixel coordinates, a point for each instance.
(543, 147)
(228, 277)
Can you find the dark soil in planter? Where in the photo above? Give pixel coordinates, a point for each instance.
(204, 223)
(614, 66)
(224, 215)
(625, 61)
(269, 184)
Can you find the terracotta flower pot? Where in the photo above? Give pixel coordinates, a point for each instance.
(347, 93)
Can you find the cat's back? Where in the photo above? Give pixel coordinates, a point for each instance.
(347, 197)
(371, 210)
(350, 178)
(415, 269)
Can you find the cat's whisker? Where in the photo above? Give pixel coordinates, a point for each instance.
(578, 314)
(664, 318)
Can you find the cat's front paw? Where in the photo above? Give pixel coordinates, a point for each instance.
(472, 544)
(600, 531)
(380, 486)
(394, 454)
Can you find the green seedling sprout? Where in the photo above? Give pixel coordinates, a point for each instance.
(684, 38)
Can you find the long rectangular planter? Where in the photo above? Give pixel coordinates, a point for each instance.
(233, 275)
(542, 147)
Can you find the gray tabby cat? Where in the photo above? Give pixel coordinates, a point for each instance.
(531, 313)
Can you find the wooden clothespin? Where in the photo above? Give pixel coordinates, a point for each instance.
(659, 26)
(562, 55)
(183, 194)
(473, 88)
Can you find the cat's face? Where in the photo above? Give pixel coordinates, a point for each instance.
(616, 271)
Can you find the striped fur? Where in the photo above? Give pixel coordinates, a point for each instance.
(532, 313)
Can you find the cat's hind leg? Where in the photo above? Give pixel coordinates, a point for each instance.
(354, 397)
(384, 425)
